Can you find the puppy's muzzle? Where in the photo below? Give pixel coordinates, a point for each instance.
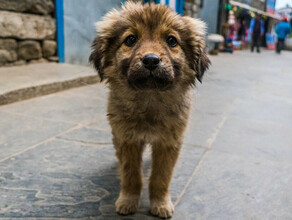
(150, 75)
(146, 79)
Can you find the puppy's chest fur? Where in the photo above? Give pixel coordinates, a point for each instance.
(149, 116)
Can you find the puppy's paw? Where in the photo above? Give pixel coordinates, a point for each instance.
(127, 204)
(162, 208)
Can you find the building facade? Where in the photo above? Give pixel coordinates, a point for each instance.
(285, 12)
(62, 30)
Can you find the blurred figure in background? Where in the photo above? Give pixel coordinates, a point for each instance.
(257, 30)
(282, 30)
(241, 34)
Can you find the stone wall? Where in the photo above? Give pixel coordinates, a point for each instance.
(192, 8)
(27, 32)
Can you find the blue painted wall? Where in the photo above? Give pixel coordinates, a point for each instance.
(60, 29)
(79, 29)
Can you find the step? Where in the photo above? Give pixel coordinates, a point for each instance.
(28, 81)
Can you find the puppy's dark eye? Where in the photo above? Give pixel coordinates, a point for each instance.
(130, 41)
(171, 41)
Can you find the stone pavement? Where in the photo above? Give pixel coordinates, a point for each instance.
(57, 159)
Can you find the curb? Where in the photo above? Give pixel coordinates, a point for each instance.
(45, 89)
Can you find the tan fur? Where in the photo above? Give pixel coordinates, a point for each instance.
(154, 115)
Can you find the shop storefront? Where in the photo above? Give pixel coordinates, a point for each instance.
(237, 23)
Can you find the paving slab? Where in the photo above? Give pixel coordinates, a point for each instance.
(232, 187)
(200, 127)
(73, 180)
(264, 108)
(24, 82)
(255, 138)
(22, 132)
(100, 123)
(88, 135)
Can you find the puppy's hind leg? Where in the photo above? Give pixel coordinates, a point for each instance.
(164, 158)
(130, 159)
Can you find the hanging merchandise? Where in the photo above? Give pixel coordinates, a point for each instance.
(228, 7)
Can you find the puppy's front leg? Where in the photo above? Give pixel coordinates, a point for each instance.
(130, 158)
(163, 161)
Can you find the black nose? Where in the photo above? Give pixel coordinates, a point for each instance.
(150, 61)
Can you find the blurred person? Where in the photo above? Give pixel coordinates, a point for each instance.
(257, 29)
(230, 32)
(282, 30)
(241, 34)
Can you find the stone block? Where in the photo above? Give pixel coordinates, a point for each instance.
(53, 59)
(195, 15)
(49, 48)
(19, 62)
(195, 8)
(8, 44)
(188, 5)
(42, 60)
(29, 50)
(26, 26)
(7, 51)
(7, 56)
(188, 12)
(16, 63)
(31, 6)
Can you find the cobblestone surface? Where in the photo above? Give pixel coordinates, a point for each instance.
(57, 159)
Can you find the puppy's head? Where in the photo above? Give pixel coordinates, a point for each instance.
(149, 47)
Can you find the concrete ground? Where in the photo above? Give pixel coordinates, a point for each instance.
(57, 159)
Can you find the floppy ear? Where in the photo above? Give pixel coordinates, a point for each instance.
(97, 55)
(195, 46)
(203, 65)
(107, 30)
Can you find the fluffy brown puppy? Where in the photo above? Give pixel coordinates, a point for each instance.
(150, 57)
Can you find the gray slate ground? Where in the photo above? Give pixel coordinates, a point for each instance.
(57, 159)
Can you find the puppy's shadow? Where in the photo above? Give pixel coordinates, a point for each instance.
(109, 180)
